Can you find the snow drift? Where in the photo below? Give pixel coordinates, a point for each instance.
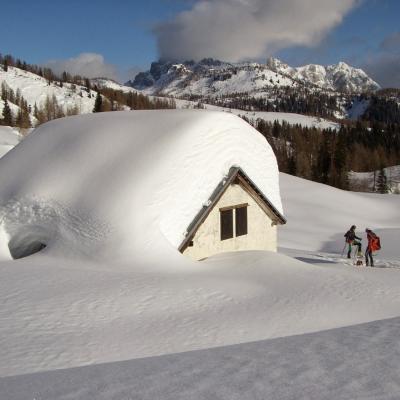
(122, 185)
(115, 185)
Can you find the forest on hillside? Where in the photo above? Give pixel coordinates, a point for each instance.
(107, 99)
(327, 155)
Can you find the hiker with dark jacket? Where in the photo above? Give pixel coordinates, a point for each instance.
(373, 245)
(351, 237)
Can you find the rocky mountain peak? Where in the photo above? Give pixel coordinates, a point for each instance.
(213, 77)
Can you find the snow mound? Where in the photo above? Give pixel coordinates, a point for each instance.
(62, 313)
(115, 185)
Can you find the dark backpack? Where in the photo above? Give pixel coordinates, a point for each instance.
(349, 235)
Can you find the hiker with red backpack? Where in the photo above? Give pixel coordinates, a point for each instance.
(351, 237)
(374, 244)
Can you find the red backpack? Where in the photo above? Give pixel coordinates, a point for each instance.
(375, 243)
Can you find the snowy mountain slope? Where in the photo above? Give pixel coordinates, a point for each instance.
(212, 78)
(111, 84)
(35, 89)
(71, 98)
(357, 108)
(9, 138)
(110, 285)
(180, 81)
(253, 116)
(339, 77)
(13, 107)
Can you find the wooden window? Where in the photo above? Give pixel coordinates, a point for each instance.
(226, 224)
(241, 221)
(238, 212)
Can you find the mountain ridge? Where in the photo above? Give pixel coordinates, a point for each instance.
(209, 76)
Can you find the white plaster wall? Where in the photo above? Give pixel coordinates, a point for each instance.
(261, 235)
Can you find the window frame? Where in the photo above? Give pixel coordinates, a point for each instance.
(244, 229)
(226, 224)
(234, 225)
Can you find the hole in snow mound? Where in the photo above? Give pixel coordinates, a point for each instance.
(27, 241)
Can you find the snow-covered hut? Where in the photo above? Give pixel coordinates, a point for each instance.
(140, 185)
(237, 216)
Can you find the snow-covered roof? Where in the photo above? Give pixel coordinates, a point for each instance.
(128, 178)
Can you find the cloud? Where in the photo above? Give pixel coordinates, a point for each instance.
(131, 72)
(385, 69)
(391, 42)
(90, 65)
(384, 66)
(235, 30)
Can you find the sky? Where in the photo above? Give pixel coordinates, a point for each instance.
(119, 39)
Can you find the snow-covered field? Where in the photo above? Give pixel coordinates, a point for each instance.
(357, 362)
(109, 202)
(366, 180)
(268, 116)
(9, 138)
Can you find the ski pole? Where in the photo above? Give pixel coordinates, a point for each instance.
(343, 249)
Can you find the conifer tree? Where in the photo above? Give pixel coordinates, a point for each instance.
(4, 91)
(98, 104)
(11, 95)
(18, 97)
(88, 84)
(35, 111)
(18, 120)
(381, 182)
(338, 175)
(323, 164)
(23, 120)
(7, 114)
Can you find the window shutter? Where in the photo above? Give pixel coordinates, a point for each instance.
(226, 224)
(241, 221)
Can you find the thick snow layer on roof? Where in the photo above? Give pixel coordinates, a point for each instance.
(113, 184)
